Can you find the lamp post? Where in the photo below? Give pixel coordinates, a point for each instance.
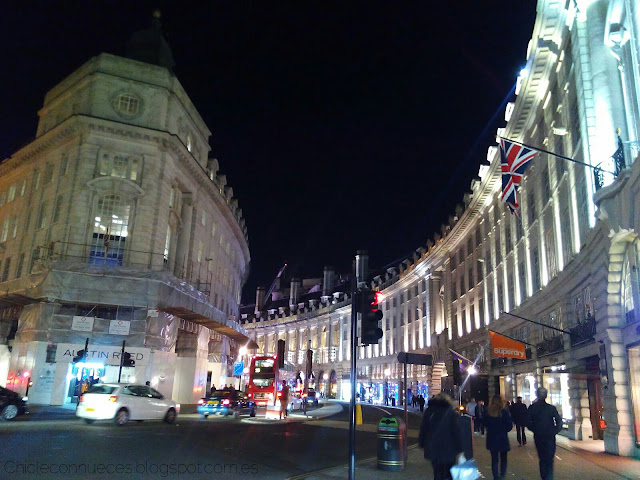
(242, 351)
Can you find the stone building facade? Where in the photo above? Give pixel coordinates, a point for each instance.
(115, 225)
(562, 276)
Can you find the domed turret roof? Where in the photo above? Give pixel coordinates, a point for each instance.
(150, 46)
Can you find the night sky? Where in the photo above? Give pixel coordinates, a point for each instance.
(340, 125)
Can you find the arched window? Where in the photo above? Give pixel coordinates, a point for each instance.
(110, 230)
(629, 278)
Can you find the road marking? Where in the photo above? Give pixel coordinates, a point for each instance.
(380, 408)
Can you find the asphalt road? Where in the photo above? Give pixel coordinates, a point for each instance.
(63, 447)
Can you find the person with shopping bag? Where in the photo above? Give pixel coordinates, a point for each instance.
(440, 436)
(498, 423)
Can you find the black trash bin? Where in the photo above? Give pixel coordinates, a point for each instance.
(392, 444)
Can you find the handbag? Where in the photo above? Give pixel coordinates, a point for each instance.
(465, 470)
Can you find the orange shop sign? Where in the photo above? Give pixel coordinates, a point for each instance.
(502, 346)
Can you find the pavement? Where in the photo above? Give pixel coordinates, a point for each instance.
(583, 460)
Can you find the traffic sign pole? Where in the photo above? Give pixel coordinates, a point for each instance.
(121, 358)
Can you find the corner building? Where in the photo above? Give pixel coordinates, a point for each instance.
(116, 226)
(569, 260)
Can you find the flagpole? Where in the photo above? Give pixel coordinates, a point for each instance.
(511, 338)
(558, 155)
(537, 323)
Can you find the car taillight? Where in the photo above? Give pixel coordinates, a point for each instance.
(201, 401)
(113, 398)
(79, 401)
(226, 402)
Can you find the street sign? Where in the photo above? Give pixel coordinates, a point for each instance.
(415, 358)
(238, 367)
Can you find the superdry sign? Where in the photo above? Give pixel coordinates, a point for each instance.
(502, 346)
(105, 354)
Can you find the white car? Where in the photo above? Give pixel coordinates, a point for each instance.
(122, 402)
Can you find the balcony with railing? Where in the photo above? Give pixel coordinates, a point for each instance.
(583, 332)
(550, 345)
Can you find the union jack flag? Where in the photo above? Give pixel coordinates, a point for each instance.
(514, 161)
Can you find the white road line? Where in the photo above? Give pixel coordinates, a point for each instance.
(379, 408)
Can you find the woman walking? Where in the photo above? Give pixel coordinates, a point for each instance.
(440, 435)
(498, 422)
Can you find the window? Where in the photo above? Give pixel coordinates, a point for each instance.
(5, 270)
(22, 187)
(500, 298)
(167, 246)
(551, 253)
(111, 224)
(27, 221)
(12, 193)
(128, 103)
(64, 163)
(35, 184)
(471, 284)
(5, 230)
(57, 209)
(481, 312)
(119, 166)
(470, 246)
(531, 207)
(213, 229)
(35, 256)
(189, 142)
(629, 277)
(511, 289)
(3, 198)
(42, 215)
(479, 275)
(13, 226)
(200, 246)
(523, 281)
(535, 259)
(48, 174)
(204, 218)
(565, 232)
(507, 235)
(546, 186)
(453, 262)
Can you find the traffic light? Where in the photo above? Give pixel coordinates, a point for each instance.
(127, 361)
(280, 357)
(457, 377)
(79, 356)
(370, 332)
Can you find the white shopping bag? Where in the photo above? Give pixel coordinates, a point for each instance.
(465, 471)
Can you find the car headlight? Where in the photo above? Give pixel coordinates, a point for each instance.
(24, 399)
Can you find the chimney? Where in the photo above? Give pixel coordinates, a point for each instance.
(260, 293)
(328, 281)
(294, 291)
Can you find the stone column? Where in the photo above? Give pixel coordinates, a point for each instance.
(183, 249)
(619, 436)
(580, 427)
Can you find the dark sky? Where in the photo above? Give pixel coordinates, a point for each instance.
(340, 125)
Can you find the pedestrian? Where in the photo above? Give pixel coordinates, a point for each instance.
(471, 407)
(519, 415)
(498, 422)
(480, 411)
(147, 383)
(440, 435)
(545, 422)
(284, 399)
(421, 403)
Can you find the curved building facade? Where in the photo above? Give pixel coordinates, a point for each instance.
(561, 276)
(118, 230)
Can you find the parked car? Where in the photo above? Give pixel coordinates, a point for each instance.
(226, 402)
(122, 402)
(312, 397)
(12, 404)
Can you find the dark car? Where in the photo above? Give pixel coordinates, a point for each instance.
(312, 396)
(12, 404)
(226, 402)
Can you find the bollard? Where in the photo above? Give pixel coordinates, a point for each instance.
(392, 444)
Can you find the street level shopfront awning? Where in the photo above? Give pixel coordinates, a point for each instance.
(226, 328)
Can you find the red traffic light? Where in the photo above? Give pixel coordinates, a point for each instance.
(378, 298)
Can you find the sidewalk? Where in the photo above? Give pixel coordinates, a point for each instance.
(572, 462)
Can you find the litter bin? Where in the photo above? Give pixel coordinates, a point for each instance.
(392, 444)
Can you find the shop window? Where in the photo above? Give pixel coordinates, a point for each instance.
(629, 278)
(51, 353)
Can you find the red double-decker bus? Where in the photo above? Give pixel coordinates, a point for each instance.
(265, 378)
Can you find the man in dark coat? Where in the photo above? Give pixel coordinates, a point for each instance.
(519, 415)
(440, 436)
(545, 422)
